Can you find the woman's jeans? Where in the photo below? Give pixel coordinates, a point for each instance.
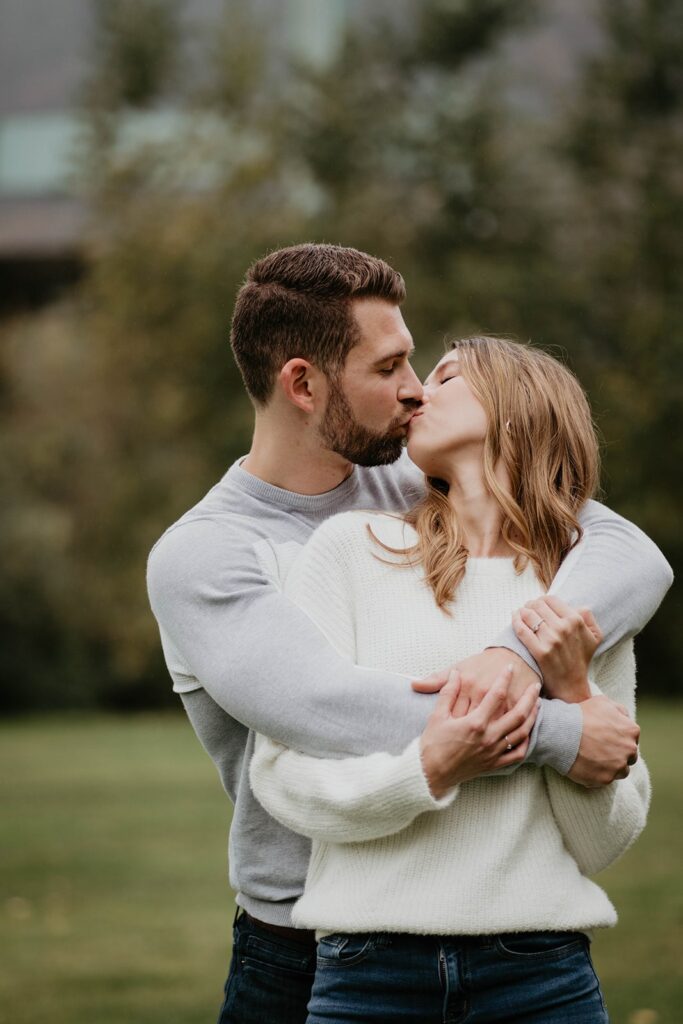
(522, 978)
(270, 977)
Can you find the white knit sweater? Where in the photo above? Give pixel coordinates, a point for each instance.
(497, 854)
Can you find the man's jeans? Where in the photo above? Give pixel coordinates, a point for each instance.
(523, 978)
(270, 977)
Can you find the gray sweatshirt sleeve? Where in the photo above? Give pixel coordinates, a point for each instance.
(261, 658)
(622, 576)
(615, 570)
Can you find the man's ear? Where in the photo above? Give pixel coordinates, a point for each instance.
(302, 384)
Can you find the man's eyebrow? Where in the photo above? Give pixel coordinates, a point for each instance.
(403, 353)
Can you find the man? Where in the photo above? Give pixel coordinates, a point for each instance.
(325, 356)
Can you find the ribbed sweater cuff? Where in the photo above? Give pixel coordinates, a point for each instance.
(558, 736)
(430, 802)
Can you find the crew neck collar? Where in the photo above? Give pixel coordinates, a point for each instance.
(261, 489)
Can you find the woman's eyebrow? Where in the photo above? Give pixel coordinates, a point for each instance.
(453, 361)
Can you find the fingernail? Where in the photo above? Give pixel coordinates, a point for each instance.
(538, 687)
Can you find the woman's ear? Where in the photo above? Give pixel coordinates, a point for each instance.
(300, 382)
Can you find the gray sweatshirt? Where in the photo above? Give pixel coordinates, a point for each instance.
(245, 659)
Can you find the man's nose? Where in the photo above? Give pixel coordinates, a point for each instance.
(411, 389)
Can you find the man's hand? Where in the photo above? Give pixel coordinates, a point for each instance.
(563, 641)
(457, 749)
(609, 744)
(477, 675)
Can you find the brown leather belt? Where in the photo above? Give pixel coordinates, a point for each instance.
(300, 935)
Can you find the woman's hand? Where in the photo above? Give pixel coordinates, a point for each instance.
(562, 640)
(457, 749)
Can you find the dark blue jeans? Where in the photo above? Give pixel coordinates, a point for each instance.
(270, 977)
(522, 978)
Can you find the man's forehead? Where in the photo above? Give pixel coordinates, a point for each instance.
(377, 314)
(381, 327)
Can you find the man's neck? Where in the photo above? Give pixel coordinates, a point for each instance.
(294, 462)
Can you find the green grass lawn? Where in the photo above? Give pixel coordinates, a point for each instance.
(115, 904)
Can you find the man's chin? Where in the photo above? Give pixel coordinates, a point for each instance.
(380, 454)
(340, 432)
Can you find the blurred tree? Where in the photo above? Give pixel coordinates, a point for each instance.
(409, 159)
(138, 45)
(124, 406)
(623, 253)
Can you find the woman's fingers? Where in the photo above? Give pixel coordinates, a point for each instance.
(448, 695)
(591, 623)
(461, 705)
(522, 621)
(547, 610)
(495, 699)
(557, 643)
(551, 603)
(517, 736)
(514, 756)
(522, 715)
(558, 622)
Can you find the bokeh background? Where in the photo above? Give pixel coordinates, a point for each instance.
(519, 161)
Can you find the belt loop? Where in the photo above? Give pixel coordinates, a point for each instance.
(237, 914)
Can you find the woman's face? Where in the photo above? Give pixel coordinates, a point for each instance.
(451, 424)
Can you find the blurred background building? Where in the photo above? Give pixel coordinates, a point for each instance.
(46, 55)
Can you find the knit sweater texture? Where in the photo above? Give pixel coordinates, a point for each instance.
(496, 854)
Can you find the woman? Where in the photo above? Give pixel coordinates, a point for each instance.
(472, 901)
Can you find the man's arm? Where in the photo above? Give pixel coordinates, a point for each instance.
(622, 576)
(615, 570)
(262, 659)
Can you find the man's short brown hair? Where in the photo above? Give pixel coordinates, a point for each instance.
(296, 303)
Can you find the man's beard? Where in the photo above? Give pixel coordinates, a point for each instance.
(341, 432)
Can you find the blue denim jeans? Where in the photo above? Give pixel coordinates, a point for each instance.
(521, 978)
(270, 977)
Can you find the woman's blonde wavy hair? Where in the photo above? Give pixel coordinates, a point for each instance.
(540, 428)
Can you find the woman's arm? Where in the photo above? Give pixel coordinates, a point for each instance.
(598, 825)
(357, 799)
(342, 801)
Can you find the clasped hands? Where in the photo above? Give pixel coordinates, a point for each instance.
(488, 703)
